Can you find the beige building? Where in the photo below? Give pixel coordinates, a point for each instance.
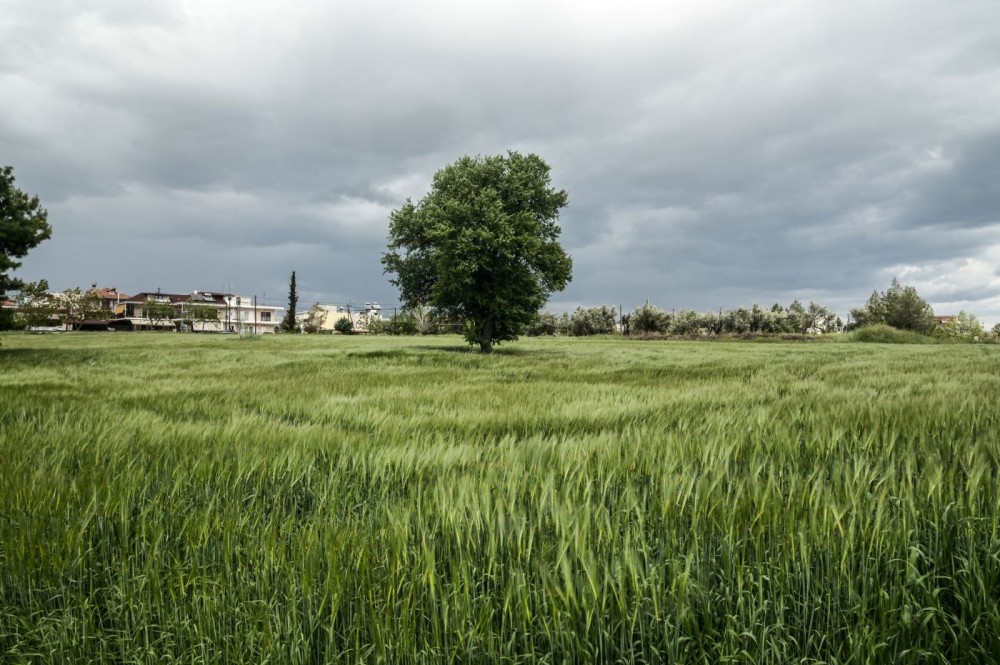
(327, 316)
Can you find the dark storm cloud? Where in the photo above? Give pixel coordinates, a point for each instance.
(715, 154)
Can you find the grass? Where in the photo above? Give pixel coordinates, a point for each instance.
(184, 498)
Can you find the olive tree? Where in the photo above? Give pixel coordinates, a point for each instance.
(593, 321)
(482, 246)
(649, 319)
(35, 305)
(547, 323)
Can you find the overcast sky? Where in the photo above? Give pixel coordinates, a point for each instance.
(715, 153)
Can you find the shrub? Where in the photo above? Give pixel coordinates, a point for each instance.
(883, 334)
(376, 325)
(344, 326)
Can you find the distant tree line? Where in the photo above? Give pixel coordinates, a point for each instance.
(651, 320)
(897, 308)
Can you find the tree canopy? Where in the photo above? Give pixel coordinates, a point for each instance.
(899, 306)
(23, 224)
(482, 246)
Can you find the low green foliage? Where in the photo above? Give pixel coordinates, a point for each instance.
(308, 499)
(883, 334)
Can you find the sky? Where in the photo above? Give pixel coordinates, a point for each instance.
(715, 153)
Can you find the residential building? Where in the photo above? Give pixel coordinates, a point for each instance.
(110, 297)
(245, 315)
(199, 311)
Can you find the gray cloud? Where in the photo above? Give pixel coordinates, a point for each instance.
(715, 153)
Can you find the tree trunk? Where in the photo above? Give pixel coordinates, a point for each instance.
(486, 337)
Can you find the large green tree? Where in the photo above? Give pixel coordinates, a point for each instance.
(482, 246)
(23, 224)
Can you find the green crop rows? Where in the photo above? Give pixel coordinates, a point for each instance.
(201, 499)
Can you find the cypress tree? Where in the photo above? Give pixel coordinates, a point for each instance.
(289, 323)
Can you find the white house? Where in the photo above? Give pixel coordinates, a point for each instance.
(199, 311)
(245, 315)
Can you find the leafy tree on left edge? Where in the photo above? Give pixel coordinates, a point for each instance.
(23, 225)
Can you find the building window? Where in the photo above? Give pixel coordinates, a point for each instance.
(265, 316)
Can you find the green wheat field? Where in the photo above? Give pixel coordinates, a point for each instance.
(169, 498)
